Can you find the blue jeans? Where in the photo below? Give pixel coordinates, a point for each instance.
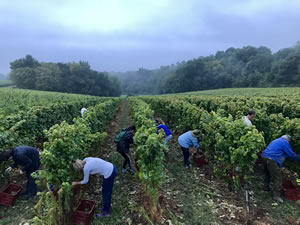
(168, 138)
(31, 185)
(186, 155)
(107, 188)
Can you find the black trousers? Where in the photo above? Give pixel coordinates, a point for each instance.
(31, 185)
(126, 160)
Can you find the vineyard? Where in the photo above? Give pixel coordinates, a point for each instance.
(162, 191)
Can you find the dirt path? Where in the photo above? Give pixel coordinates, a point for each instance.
(126, 198)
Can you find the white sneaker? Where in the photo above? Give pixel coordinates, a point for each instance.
(278, 199)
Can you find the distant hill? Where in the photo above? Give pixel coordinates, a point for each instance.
(3, 77)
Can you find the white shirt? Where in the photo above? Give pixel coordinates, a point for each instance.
(246, 121)
(96, 166)
(83, 110)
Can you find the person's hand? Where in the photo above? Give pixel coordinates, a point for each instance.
(21, 172)
(74, 184)
(8, 170)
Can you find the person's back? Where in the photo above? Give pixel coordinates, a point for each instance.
(273, 158)
(246, 121)
(97, 166)
(82, 111)
(165, 128)
(21, 155)
(125, 142)
(278, 150)
(187, 139)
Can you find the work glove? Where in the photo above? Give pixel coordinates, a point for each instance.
(8, 170)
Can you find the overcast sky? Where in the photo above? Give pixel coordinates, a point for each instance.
(122, 35)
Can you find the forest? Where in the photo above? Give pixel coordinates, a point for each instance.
(79, 78)
(236, 67)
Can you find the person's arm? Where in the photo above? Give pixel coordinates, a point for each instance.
(86, 174)
(76, 183)
(195, 142)
(289, 152)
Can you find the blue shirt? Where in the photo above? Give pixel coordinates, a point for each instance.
(165, 128)
(187, 139)
(278, 150)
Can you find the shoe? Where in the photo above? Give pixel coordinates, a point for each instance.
(187, 167)
(132, 170)
(103, 214)
(278, 199)
(124, 171)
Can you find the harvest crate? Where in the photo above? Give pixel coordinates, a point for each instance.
(84, 212)
(200, 159)
(290, 191)
(10, 194)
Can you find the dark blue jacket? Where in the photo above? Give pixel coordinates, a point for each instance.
(26, 156)
(123, 145)
(278, 150)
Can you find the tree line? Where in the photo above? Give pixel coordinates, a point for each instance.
(78, 78)
(236, 67)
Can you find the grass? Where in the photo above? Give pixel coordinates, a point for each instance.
(295, 91)
(190, 198)
(21, 212)
(6, 83)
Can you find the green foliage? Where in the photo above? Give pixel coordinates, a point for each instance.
(69, 142)
(72, 78)
(65, 142)
(236, 67)
(13, 100)
(227, 143)
(5, 83)
(150, 148)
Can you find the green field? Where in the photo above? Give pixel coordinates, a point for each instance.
(5, 83)
(13, 100)
(267, 92)
(211, 194)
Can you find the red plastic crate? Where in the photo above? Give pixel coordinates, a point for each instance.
(200, 159)
(290, 191)
(84, 212)
(7, 197)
